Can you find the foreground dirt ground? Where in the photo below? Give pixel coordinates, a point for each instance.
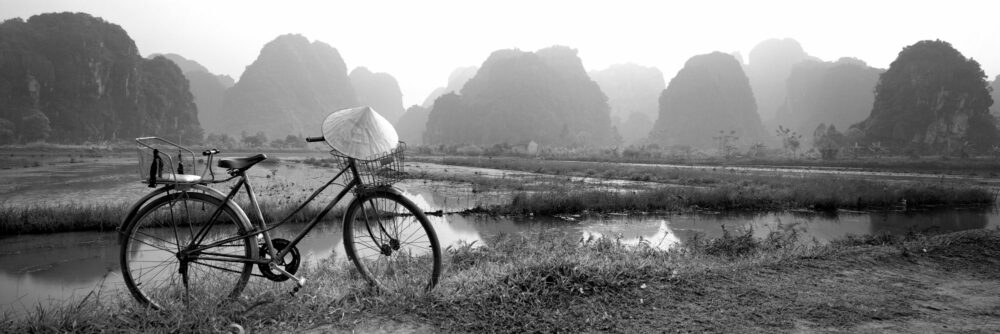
(950, 286)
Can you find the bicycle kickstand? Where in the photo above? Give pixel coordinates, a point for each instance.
(299, 281)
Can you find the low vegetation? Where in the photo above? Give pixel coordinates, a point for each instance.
(557, 189)
(817, 194)
(710, 189)
(558, 282)
(16, 219)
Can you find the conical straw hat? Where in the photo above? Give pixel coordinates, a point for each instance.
(359, 133)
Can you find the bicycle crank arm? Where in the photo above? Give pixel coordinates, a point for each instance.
(299, 281)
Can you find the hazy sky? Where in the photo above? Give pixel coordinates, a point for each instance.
(421, 42)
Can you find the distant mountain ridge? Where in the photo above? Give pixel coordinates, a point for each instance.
(710, 97)
(72, 78)
(379, 91)
(633, 93)
(544, 96)
(770, 63)
(291, 86)
(837, 93)
(208, 90)
(456, 80)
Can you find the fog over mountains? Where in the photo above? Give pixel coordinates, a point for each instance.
(456, 80)
(768, 67)
(837, 93)
(208, 89)
(379, 91)
(412, 125)
(633, 91)
(73, 78)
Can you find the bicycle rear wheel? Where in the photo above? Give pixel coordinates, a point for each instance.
(392, 243)
(161, 265)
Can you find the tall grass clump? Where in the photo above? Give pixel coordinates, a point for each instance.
(816, 193)
(51, 218)
(732, 244)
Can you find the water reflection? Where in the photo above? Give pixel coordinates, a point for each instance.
(941, 222)
(662, 237)
(52, 268)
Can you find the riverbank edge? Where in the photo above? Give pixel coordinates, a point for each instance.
(555, 282)
(17, 220)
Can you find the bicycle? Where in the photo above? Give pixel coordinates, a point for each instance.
(187, 242)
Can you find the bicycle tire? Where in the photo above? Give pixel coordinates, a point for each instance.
(392, 244)
(149, 252)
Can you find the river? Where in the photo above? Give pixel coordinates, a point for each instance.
(62, 267)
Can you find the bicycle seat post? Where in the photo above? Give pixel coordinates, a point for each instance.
(256, 205)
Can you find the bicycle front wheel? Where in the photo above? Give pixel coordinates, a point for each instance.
(392, 243)
(162, 266)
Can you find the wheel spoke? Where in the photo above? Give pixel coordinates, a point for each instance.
(151, 265)
(413, 264)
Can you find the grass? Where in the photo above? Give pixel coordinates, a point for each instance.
(552, 282)
(48, 218)
(60, 218)
(540, 197)
(985, 165)
(681, 189)
(818, 193)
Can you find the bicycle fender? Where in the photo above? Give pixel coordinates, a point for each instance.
(135, 209)
(394, 190)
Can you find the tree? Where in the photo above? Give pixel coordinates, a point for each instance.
(727, 143)
(789, 139)
(757, 150)
(35, 127)
(294, 141)
(6, 132)
(257, 140)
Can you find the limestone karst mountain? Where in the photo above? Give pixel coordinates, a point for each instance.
(412, 125)
(288, 90)
(770, 63)
(517, 96)
(931, 99)
(208, 89)
(456, 80)
(633, 93)
(837, 93)
(379, 91)
(413, 122)
(72, 78)
(710, 97)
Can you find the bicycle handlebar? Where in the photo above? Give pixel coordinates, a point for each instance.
(210, 152)
(315, 139)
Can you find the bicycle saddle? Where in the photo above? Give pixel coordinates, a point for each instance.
(241, 163)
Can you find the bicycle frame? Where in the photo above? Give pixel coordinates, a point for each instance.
(262, 230)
